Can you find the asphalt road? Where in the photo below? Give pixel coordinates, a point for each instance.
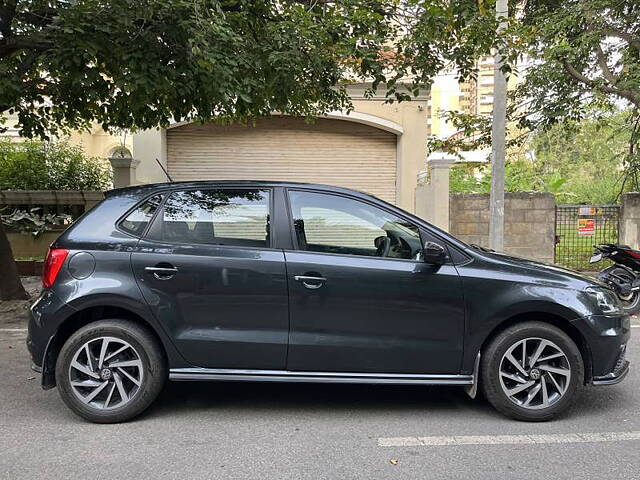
(279, 431)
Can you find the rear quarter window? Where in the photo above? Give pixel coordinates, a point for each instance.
(136, 222)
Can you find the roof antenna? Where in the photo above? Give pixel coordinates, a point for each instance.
(164, 170)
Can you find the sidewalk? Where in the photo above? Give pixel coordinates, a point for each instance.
(14, 312)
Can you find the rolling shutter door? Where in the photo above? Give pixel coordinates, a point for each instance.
(333, 152)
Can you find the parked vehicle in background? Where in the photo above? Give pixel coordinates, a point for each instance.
(269, 281)
(623, 276)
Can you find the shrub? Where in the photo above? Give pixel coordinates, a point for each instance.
(34, 165)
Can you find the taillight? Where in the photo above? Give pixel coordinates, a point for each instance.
(52, 265)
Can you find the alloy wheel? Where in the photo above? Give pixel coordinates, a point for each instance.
(106, 373)
(535, 373)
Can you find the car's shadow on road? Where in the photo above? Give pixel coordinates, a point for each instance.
(180, 398)
(311, 398)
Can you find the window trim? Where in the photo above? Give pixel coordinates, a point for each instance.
(294, 237)
(169, 192)
(123, 217)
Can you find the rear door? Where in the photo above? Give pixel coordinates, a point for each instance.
(208, 272)
(361, 297)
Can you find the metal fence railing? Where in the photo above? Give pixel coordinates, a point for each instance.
(579, 228)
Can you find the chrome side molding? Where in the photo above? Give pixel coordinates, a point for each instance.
(237, 375)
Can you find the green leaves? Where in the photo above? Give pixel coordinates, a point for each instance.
(34, 165)
(579, 162)
(138, 64)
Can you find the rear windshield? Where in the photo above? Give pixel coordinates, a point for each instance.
(136, 222)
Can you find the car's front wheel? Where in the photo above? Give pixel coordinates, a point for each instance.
(530, 371)
(110, 371)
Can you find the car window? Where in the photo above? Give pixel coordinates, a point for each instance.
(335, 224)
(219, 217)
(138, 219)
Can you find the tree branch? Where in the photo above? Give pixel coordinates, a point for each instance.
(627, 37)
(630, 95)
(7, 12)
(15, 44)
(604, 66)
(41, 17)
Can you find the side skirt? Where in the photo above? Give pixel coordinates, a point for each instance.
(189, 374)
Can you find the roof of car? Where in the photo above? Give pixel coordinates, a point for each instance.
(244, 183)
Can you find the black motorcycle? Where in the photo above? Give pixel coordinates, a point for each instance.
(624, 276)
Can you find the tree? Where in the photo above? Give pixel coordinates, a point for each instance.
(579, 162)
(585, 58)
(142, 63)
(572, 58)
(139, 64)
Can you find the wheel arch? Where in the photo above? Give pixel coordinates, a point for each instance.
(93, 313)
(553, 319)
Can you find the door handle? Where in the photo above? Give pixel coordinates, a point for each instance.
(312, 283)
(162, 273)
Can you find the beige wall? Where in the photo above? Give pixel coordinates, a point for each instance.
(95, 142)
(408, 120)
(98, 143)
(25, 245)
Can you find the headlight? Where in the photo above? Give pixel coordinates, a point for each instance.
(606, 300)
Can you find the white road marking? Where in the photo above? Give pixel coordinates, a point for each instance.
(453, 440)
(13, 329)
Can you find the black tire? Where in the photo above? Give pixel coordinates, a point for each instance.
(152, 379)
(492, 358)
(631, 304)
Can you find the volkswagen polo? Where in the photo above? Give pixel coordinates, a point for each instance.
(287, 282)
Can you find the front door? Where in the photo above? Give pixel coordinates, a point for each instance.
(361, 297)
(209, 275)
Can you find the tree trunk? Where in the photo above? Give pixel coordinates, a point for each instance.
(10, 286)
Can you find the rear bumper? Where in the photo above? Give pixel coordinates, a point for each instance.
(46, 314)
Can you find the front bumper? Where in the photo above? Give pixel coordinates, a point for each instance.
(620, 370)
(613, 377)
(607, 337)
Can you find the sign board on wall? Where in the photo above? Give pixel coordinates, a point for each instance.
(587, 211)
(586, 227)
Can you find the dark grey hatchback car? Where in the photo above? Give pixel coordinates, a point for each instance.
(272, 281)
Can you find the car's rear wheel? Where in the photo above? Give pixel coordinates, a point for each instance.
(110, 371)
(530, 371)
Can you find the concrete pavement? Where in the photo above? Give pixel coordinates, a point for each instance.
(295, 431)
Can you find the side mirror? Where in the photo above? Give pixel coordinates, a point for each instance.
(434, 253)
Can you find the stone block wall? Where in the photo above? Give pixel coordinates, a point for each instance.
(529, 222)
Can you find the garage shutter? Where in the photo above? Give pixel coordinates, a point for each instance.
(333, 152)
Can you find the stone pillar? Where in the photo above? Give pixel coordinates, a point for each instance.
(124, 170)
(629, 223)
(432, 197)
